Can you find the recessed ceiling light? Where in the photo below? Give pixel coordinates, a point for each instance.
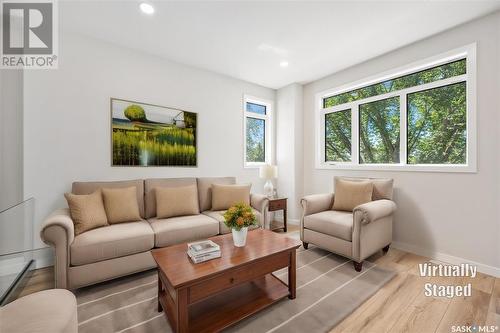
(284, 64)
(147, 8)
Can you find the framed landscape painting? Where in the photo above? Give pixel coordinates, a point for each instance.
(151, 135)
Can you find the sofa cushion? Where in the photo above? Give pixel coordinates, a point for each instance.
(349, 194)
(225, 196)
(53, 310)
(87, 211)
(150, 186)
(205, 189)
(112, 241)
(180, 229)
(121, 204)
(223, 229)
(330, 222)
(176, 201)
(89, 187)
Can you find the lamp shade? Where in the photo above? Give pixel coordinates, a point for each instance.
(268, 171)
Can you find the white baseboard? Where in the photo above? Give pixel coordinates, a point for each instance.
(483, 268)
(288, 221)
(44, 257)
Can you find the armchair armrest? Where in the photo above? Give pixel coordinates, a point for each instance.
(316, 203)
(374, 210)
(58, 230)
(259, 202)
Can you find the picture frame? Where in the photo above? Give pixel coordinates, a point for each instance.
(150, 135)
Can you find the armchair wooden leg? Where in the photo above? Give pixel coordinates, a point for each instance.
(305, 245)
(386, 248)
(358, 266)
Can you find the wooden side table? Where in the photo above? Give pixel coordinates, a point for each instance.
(276, 204)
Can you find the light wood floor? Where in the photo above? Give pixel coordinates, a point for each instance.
(400, 306)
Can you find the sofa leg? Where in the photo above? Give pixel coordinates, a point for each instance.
(305, 245)
(386, 248)
(358, 266)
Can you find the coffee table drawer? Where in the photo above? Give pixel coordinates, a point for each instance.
(234, 277)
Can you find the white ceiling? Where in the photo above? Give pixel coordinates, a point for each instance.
(248, 40)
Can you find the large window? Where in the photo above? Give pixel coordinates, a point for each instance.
(257, 130)
(422, 118)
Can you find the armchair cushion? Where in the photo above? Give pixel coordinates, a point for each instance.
(382, 187)
(349, 194)
(334, 223)
(372, 211)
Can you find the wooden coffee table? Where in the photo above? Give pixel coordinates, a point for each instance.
(213, 295)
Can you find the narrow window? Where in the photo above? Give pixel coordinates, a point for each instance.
(257, 115)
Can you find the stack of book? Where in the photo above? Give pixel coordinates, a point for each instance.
(203, 251)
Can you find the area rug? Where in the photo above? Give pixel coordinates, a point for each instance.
(328, 290)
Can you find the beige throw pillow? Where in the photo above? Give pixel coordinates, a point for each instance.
(349, 194)
(176, 201)
(87, 211)
(121, 204)
(225, 196)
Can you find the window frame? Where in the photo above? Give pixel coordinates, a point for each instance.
(468, 52)
(268, 152)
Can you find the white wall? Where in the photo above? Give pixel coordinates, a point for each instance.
(67, 118)
(11, 137)
(445, 215)
(289, 147)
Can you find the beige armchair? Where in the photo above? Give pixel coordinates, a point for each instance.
(357, 234)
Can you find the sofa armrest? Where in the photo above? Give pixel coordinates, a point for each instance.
(259, 202)
(58, 230)
(374, 210)
(316, 203)
(60, 218)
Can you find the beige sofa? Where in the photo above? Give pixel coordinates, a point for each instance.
(357, 234)
(120, 249)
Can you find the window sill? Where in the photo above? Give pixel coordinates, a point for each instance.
(253, 165)
(400, 167)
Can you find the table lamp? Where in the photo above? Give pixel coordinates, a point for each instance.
(268, 172)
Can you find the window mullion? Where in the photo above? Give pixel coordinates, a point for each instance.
(355, 133)
(403, 129)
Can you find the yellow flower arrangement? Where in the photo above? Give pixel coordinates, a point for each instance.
(239, 216)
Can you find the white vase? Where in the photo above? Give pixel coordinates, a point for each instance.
(268, 188)
(240, 236)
